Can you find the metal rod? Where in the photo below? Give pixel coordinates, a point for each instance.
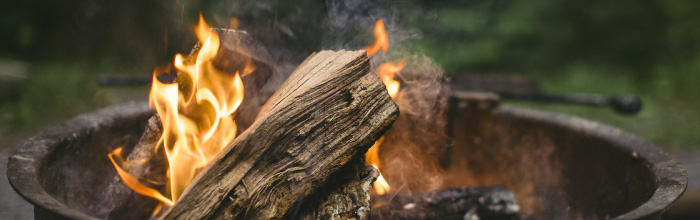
(622, 104)
(123, 81)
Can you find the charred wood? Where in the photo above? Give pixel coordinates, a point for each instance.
(147, 161)
(454, 203)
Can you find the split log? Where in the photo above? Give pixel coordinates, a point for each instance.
(330, 110)
(455, 203)
(344, 196)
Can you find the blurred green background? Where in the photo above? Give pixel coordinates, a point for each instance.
(53, 51)
(648, 48)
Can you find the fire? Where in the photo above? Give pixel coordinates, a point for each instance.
(386, 74)
(132, 182)
(381, 39)
(197, 115)
(372, 158)
(387, 71)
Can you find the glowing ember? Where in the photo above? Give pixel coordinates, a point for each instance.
(387, 71)
(196, 114)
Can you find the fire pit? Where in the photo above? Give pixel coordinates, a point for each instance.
(558, 166)
(304, 154)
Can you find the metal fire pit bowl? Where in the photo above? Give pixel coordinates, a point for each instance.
(558, 166)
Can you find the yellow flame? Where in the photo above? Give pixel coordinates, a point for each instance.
(387, 71)
(202, 30)
(372, 158)
(197, 112)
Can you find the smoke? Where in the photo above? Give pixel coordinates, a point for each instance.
(411, 151)
(291, 31)
(413, 148)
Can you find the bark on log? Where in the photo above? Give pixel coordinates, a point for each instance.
(454, 203)
(344, 196)
(330, 110)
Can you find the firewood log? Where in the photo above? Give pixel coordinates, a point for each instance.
(330, 110)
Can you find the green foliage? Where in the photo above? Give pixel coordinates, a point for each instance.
(51, 93)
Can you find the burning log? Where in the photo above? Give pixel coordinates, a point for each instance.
(238, 54)
(330, 110)
(146, 161)
(454, 203)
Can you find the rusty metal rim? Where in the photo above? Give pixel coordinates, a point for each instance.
(671, 178)
(25, 164)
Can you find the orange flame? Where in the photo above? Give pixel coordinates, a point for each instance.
(132, 182)
(372, 158)
(387, 71)
(196, 113)
(381, 39)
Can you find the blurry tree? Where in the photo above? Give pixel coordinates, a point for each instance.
(646, 47)
(549, 35)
